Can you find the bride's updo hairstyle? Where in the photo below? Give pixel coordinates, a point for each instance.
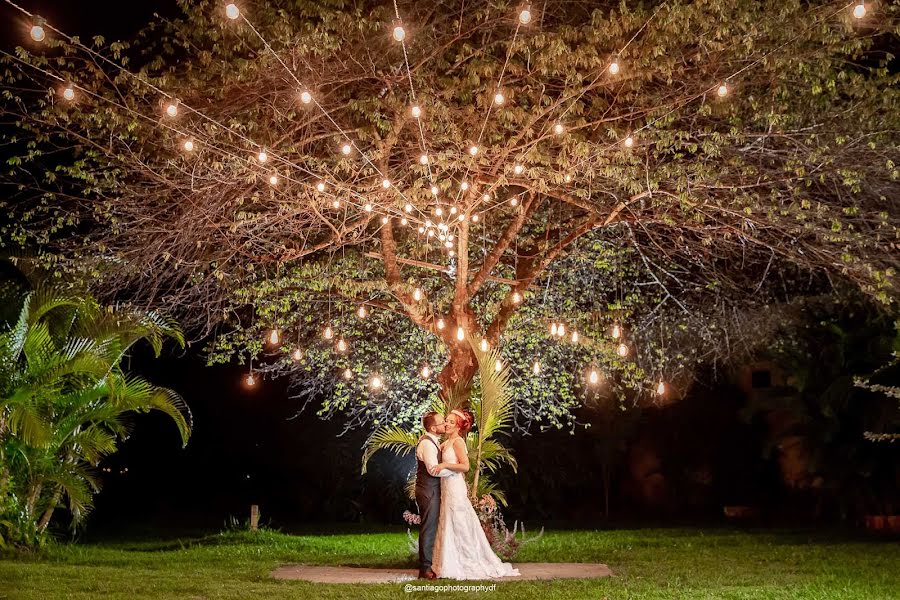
(463, 421)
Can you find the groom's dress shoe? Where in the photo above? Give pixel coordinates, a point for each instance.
(430, 574)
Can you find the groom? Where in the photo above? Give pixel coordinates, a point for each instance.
(428, 489)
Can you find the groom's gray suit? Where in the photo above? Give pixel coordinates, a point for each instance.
(428, 497)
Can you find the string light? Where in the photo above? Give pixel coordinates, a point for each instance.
(561, 330)
(346, 149)
(232, 11)
(320, 186)
(474, 218)
(336, 203)
(453, 211)
(464, 185)
(518, 169)
(426, 372)
(305, 97)
(368, 207)
(462, 217)
(251, 380)
(384, 220)
(37, 30)
(574, 336)
(614, 67)
(341, 345)
(558, 128)
(460, 332)
(723, 90)
(516, 297)
(172, 110)
(439, 211)
(416, 111)
(69, 93)
(514, 201)
(498, 365)
(525, 16)
(297, 355)
(376, 383)
(661, 388)
(404, 221)
(616, 331)
(553, 328)
(593, 376)
(189, 145)
(473, 150)
(499, 99)
(440, 324)
(568, 178)
(859, 11)
(536, 368)
(622, 350)
(328, 333)
(385, 183)
(348, 374)
(273, 180)
(362, 311)
(273, 337)
(399, 33)
(417, 294)
(484, 345)
(434, 188)
(423, 160)
(629, 142)
(408, 208)
(262, 156)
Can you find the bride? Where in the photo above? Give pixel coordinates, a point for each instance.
(461, 549)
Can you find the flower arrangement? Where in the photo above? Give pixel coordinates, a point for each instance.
(411, 518)
(504, 542)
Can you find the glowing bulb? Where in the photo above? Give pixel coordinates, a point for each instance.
(440, 324)
(439, 211)
(328, 333)
(362, 311)
(498, 365)
(473, 150)
(273, 180)
(417, 294)
(464, 185)
(384, 220)
(348, 374)
(232, 11)
(416, 111)
(518, 169)
(568, 178)
(368, 207)
(614, 67)
(189, 145)
(341, 345)
(262, 156)
(408, 208)
(629, 142)
(499, 99)
(251, 380)
(661, 388)
(448, 244)
(484, 345)
(273, 337)
(426, 372)
(462, 217)
(616, 331)
(305, 97)
(172, 110)
(561, 330)
(474, 218)
(399, 33)
(525, 16)
(622, 350)
(723, 90)
(453, 210)
(376, 383)
(404, 221)
(859, 11)
(558, 129)
(460, 334)
(593, 376)
(69, 94)
(423, 160)
(346, 149)
(434, 190)
(320, 186)
(37, 33)
(574, 337)
(431, 233)
(297, 354)
(516, 297)
(553, 328)
(537, 367)
(385, 183)
(514, 201)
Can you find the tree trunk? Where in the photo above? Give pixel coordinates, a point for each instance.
(459, 371)
(45, 518)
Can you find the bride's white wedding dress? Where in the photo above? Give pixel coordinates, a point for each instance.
(461, 549)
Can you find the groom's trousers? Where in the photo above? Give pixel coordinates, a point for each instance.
(428, 499)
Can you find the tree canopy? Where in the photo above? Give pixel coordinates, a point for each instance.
(673, 170)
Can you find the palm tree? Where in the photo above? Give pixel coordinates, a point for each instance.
(64, 398)
(491, 405)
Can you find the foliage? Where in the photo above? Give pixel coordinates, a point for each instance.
(64, 401)
(723, 208)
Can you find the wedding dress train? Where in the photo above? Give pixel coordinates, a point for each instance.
(461, 549)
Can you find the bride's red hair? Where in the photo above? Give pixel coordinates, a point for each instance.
(464, 420)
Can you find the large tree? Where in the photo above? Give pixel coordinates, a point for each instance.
(675, 166)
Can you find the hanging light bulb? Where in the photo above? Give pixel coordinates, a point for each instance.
(320, 186)
(417, 294)
(464, 185)
(297, 355)
(593, 376)
(172, 110)
(525, 16)
(440, 324)
(453, 210)
(498, 365)
(328, 333)
(474, 218)
(37, 30)
(305, 97)
(273, 180)
(426, 372)
(462, 217)
(423, 160)
(341, 345)
(434, 188)
(558, 128)
(614, 67)
(484, 345)
(262, 156)
(336, 203)
(408, 208)
(251, 380)
(368, 207)
(553, 328)
(514, 201)
(189, 145)
(622, 350)
(473, 150)
(460, 334)
(346, 149)
(661, 388)
(439, 211)
(574, 336)
(385, 183)
(273, 337)
(723, 90)
(629, 142)
(561, 330)
(232, 11)
(518, 169)
(69, 93)
(536, 368)
(416, 111)
(362, 311)
(348, 374)
(616, 331)
(404, 221)
(384, 220)
(499, 99)
(376, 383)
(399, 33)
(859, 11)
(516, 297)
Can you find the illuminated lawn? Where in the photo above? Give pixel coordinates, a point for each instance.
(648, 563)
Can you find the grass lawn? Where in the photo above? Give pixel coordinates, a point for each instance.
(648, 563)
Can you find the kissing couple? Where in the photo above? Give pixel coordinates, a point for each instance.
(452, 543)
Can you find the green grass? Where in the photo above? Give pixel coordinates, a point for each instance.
(648, 563)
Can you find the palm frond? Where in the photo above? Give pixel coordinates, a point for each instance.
(395, 439)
